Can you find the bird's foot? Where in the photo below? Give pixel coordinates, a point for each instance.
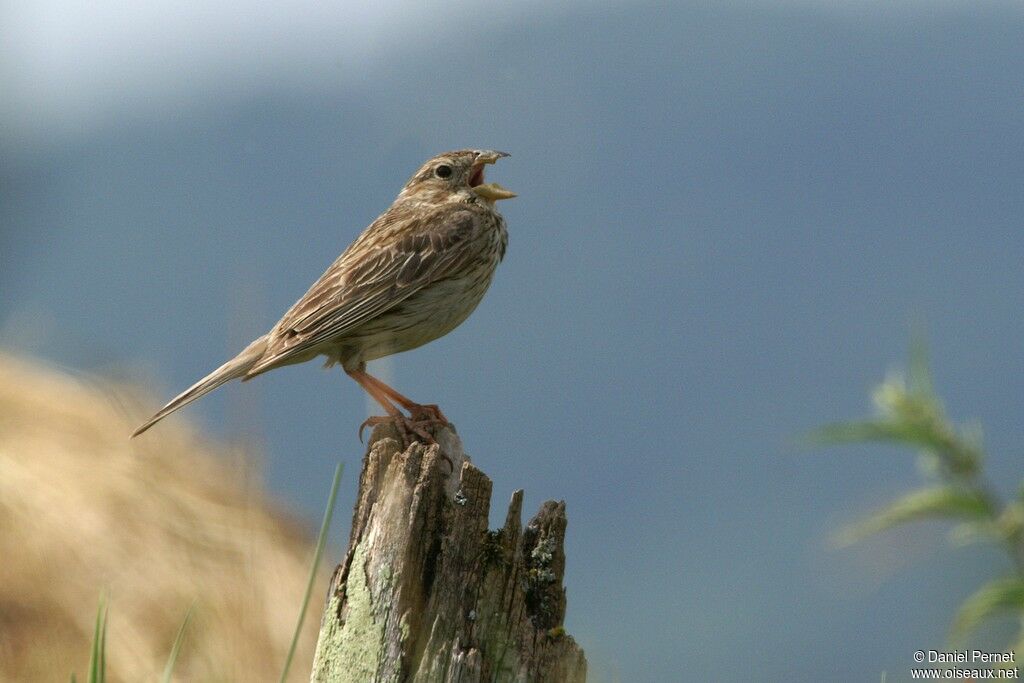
(428, 413)
(406, 427)
(409, 429)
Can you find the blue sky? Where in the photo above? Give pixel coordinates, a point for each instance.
(730, 215)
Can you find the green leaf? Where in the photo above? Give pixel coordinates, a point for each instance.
(852, 432)
(1007, 527)
(1019, 645)
(975, 532)
(176, 647)
(937, 438)
(899, 432)
(98, 656)
(1011, 520)
(941, 501)
(320, 543)
(995, 596)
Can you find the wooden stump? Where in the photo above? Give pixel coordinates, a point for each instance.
(428, 593)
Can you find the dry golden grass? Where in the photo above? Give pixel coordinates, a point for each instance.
(158, 522)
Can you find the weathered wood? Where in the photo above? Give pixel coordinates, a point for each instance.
(428, 593)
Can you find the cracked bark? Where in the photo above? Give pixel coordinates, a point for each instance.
(428, 593)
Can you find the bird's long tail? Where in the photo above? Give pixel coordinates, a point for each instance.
(234, 368)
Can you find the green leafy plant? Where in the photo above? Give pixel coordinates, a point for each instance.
(910, 414)
(176, 647)
(98, 654)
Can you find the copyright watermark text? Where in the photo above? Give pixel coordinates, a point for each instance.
(976, 665)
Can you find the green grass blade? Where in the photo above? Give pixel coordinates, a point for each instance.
(176, 648)
(939, 501)
(98, 656)
(103, 647)
(320, 543)
(940, 439)
(995, 596)
(864, 431)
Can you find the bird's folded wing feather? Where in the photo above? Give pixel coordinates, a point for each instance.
(393, 259)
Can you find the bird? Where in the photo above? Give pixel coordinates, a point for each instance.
(412, 276)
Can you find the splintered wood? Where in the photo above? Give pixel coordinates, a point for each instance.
(428, 593)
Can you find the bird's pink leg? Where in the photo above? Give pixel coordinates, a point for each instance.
(404, 424)
(417, 411)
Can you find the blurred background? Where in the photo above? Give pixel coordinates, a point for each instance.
(730, 217)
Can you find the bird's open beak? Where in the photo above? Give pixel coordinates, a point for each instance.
(492, 192)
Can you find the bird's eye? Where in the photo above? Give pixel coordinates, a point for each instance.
(443, 171)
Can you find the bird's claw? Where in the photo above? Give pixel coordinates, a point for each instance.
(373, 421)
(428, 413)
(407, 427)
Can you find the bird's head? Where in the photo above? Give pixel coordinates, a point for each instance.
(460, 172)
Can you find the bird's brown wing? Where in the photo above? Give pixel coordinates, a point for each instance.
(393, 259)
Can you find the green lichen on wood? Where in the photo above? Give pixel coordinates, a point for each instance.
(502, 652)
(436, 596)
(543, 587)
(350, 651)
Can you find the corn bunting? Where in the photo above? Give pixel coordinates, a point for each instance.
(412, 276)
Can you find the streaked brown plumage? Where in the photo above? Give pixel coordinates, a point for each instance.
(412, 276)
